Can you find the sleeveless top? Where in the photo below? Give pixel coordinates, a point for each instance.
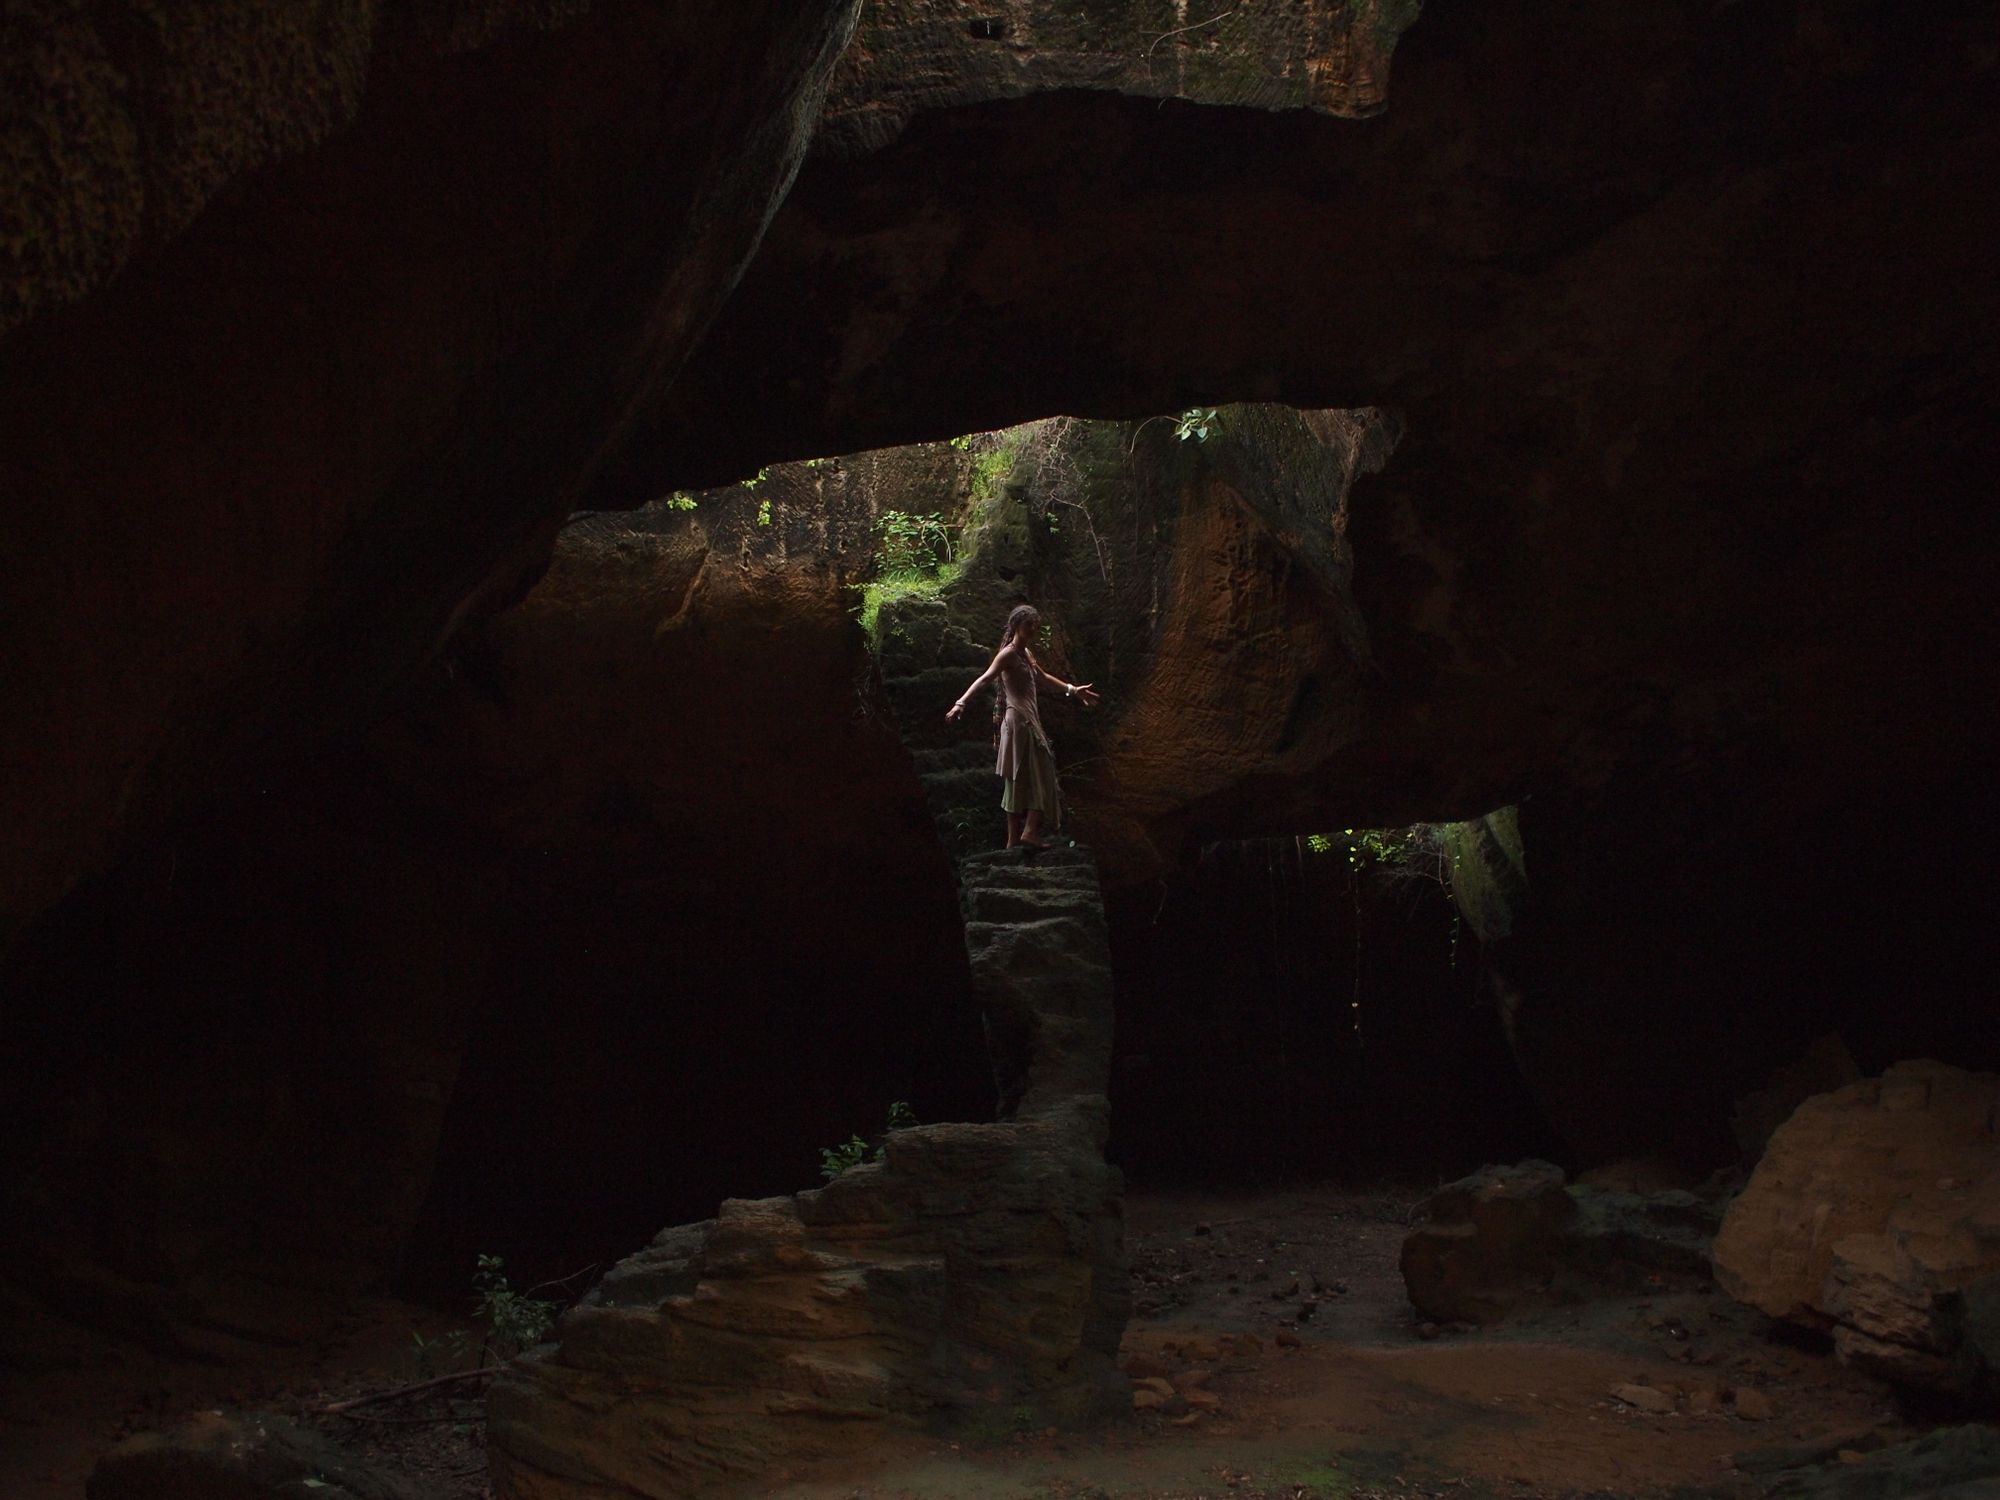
(1021, 727)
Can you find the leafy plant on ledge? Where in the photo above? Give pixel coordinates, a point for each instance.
(514, 1321)
(1194, 423)
(854, 1151)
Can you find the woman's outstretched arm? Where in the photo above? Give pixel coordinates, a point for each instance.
(984, 677)
(1081, 690)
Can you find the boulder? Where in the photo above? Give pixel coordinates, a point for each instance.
(241, 1456)
(1485, 1240)
(1875, 1214)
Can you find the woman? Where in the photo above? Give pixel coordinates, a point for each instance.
(1027, 765)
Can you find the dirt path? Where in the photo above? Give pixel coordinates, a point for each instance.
(1353, 1405)
(1364, 1406)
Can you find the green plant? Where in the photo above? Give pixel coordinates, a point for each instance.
(854, 1151)
(833, 1160)
(764, 513)
(911, 543)
(514, 1321)
(680, 500)
(1194, 423)
(893, 589)
(992, 467)
(756, 479)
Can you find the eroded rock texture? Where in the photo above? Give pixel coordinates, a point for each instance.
(913, 57)
(490, 978)
(1875, 1212)
(971, 1266)
(267, 468)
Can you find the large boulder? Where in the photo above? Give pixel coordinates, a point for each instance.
(1875, 1214)
(1485, 1240)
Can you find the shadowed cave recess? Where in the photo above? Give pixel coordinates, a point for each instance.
(500, 495)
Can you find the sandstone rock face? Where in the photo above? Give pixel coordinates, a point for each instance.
(241, 1456)
(971, 1266)
(1875, 1212)
(917, 56)
(281, 1056)
(1041, 968)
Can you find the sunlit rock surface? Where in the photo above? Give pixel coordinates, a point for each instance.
(1875, 1213)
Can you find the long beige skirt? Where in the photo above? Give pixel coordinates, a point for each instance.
(1036, 787)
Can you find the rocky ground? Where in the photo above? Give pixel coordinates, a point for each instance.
(1274, 1356)
(1297, 1370)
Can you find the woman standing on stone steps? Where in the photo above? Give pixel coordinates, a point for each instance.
(1027, 764)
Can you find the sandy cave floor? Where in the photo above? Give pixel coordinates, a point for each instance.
(1362, 1407)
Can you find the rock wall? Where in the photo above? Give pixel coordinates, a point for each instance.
(267, 468)
(912, 57)
(965, 1268)
(329, 1029)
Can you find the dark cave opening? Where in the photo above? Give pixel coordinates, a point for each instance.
(1284, 1016)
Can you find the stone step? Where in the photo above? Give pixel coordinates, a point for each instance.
(1057, 857)
(1013, 872)
(1057, 933)
(1003, 904)
(1022, 874)
(918, 701)
(934, 687)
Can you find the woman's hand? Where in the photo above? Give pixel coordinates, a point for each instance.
(1086, 692)
(951, 714)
